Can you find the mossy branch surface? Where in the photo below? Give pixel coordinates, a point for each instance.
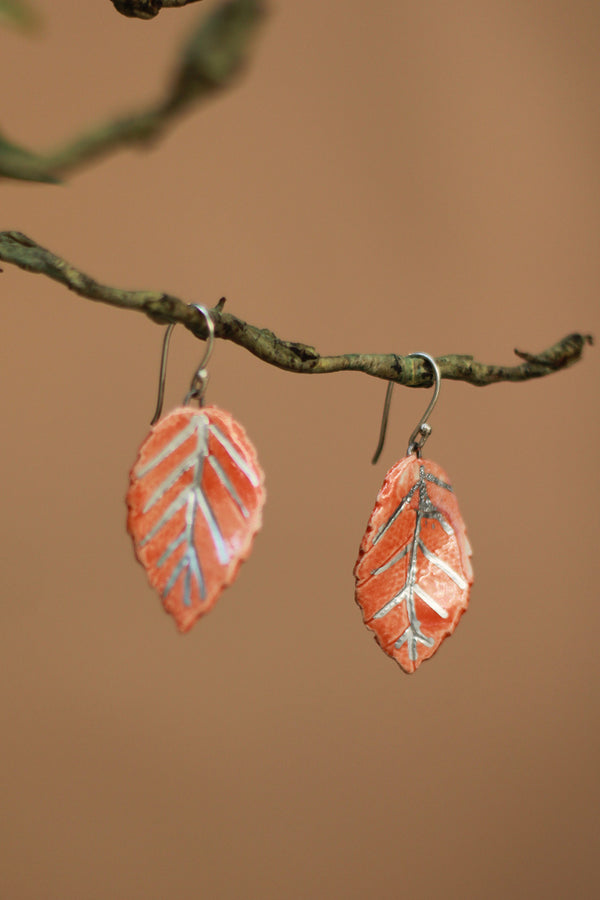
(19, 250)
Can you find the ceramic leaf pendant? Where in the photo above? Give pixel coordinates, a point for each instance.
(413, 572)
(195, 501)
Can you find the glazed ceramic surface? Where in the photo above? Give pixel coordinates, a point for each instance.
(413, 573)
(195, 503)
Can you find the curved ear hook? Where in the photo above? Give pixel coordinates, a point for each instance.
(423, 428)
(200, 379)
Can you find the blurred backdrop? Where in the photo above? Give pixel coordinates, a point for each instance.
(384, 178)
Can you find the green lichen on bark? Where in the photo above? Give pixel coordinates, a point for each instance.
(293, 356)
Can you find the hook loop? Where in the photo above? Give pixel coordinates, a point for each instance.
(423, 429)
(200, 379)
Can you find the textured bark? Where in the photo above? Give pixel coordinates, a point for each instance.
(22, 251)
(146, 9)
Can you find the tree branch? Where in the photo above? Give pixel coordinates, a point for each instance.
(210, 61)
(20, 250)
(146, 9)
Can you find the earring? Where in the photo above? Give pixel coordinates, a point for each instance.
(195, 498)
(413, 572)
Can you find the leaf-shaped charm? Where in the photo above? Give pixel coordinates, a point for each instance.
(195, 503)
(413, 573)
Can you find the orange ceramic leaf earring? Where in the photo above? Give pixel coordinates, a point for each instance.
(195, 498)
(413, 572)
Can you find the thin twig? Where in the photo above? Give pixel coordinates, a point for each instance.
(210, 61)
(22, 251)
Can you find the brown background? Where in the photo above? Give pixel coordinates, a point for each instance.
(386, 177)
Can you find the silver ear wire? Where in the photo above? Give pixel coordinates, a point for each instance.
(423, 428)
(384, 421)
(200, 379)
(162, 374)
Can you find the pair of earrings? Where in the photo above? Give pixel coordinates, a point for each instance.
(195, 503)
